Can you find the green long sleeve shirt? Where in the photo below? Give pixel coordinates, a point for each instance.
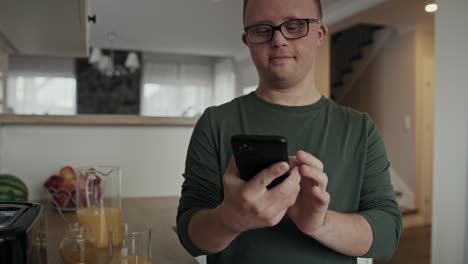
(346, 141)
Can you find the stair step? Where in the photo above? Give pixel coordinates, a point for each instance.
(347, 48)
(408, 211)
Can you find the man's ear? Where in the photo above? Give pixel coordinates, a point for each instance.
(322, 34)
(244, 39)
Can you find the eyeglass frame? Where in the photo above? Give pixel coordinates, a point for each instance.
(278, 28)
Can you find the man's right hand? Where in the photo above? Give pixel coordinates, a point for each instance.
(246, 205)
(250, 205)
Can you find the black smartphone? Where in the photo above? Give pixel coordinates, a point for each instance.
(253, 153)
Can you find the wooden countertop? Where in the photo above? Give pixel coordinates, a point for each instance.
(96, 120)
(159, 213)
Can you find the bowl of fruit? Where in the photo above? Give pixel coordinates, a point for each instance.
(61, 189)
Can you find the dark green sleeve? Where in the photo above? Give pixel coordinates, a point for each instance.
(378, 204)
(202, 180)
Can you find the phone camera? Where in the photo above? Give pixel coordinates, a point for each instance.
(246, 148)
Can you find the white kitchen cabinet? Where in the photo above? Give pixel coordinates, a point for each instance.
(46, 27)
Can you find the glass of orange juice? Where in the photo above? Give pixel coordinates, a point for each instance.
(98, 202)
(135, 247)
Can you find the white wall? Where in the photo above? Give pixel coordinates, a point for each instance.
(466, 222)
(450, 220)
(152, 158)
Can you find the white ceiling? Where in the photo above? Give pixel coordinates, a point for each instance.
(202, 27)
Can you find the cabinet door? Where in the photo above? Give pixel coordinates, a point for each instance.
(46, 27)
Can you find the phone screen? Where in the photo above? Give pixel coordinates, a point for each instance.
(253, 153)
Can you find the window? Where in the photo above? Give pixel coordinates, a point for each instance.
(176, 89)
(2, 110)
(225, 81)
(172, 85)
(39, 85)
(42, 95)
(3, 70)
(249, 89)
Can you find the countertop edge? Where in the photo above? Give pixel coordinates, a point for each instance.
(96, 120)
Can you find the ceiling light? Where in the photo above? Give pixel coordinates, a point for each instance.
(132, 61)
(105, 63)
(431, 8)
(95, 55)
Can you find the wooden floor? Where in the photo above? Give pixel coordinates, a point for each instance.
(414, 247)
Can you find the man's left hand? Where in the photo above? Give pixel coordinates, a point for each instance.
(309, 211)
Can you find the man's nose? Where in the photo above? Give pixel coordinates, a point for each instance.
(278, 39)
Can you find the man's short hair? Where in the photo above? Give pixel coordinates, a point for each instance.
(318, 5)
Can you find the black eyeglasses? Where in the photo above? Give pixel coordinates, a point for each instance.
(291, 29)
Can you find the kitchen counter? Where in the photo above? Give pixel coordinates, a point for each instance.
(159, 213)
(96, 120)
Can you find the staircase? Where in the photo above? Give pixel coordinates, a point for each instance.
(404, 210)
(404, 195)
(352, 51)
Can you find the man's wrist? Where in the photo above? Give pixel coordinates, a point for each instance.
(220, 234)
(224, 220)
(323, 228)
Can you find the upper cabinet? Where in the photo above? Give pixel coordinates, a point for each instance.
(46, 27)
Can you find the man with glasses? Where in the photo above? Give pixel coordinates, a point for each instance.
(338, 202)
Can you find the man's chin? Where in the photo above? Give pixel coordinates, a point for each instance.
(283, 73)
(281, 79)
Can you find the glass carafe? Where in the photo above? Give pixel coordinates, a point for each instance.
(98, 199)
(76, 246)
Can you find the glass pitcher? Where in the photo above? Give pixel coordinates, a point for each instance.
(76, 246)
(98, 202)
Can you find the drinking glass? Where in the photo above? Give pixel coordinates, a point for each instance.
(135, 247)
